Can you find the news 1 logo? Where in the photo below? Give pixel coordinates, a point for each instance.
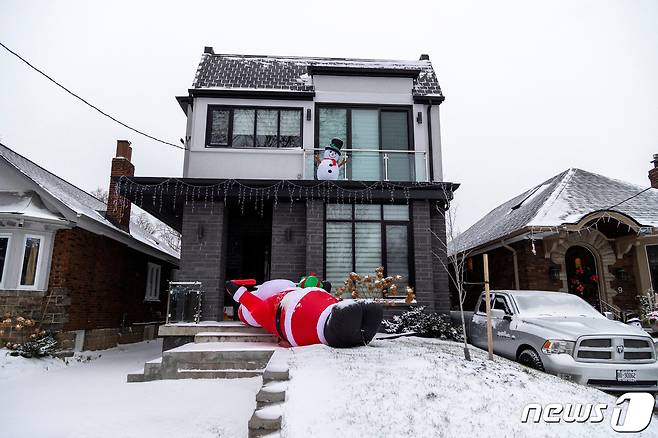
(632, 412)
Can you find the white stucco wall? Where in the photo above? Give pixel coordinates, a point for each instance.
(247, 163)
(261, 163)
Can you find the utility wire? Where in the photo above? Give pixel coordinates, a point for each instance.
(629, 198)
(87, 103)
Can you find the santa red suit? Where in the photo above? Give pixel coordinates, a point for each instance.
(306, 316)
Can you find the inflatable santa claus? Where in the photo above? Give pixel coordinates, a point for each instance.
(308, 315)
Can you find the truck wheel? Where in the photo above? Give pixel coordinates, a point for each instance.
(530, 358)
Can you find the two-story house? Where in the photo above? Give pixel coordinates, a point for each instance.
(249, 204)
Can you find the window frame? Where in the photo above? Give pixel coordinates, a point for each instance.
(231, 108)
(37, 272)
(3, 270)
(150, 287)
(651, 279)
(383, 223)
(411, 145)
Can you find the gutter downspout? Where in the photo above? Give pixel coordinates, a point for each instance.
(429, 141)
(516, 264)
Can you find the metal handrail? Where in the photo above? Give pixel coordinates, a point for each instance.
(385, 155)
(607, 307)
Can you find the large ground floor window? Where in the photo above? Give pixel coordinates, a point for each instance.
(652, 256)
(360, 238)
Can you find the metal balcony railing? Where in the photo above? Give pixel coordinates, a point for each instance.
(374, 165)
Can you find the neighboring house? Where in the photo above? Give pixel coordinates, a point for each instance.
(578, 232)
(65, 261)
(249, 204)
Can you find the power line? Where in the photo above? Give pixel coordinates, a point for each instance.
(88, 103)
(629, 198)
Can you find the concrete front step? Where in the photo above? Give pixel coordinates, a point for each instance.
(272, 392)
(266, 419)
(235, 336)
(215, 374)
(189, 329)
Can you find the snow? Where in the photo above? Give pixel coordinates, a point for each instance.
(89, 397)
(227, 346)
(423, 388)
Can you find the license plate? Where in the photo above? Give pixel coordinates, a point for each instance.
(626, 376)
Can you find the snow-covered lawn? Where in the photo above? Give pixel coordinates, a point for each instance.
(423, 388)
(90, 398)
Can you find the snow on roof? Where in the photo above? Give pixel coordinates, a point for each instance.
(26, 205)
(79, 201)
(564, 199)
(291, 73)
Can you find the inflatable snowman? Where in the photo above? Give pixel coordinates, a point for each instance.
(328, 167)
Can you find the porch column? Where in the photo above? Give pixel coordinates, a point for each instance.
(288, 258)
(423, 259)
(315, 237)
(441, 281)
(203, 254)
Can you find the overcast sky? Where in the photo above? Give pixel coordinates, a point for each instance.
(532, 88)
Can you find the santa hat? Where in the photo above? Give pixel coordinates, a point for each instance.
(336, 145)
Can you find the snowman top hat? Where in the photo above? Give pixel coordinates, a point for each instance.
(335, 145)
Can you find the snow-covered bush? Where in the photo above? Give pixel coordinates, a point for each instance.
(36, 342)
(425, 324)
(40, 345)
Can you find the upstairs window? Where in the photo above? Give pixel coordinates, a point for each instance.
(248, 127)
(379, 139)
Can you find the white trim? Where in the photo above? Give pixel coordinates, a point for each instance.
(238, 293)
(646, 252)
(246, 314)
(3, 273)
(289, 303)
(322, 321)
(37, 272)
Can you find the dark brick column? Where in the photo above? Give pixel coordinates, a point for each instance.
(423, 263)
(439, 274)
(288, 241)
(203, 254)
(315, 236)
(653, 173)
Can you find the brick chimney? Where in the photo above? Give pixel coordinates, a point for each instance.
(653, 173)
(118, 207)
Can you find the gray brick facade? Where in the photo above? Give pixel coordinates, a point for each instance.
(298, 248)
(315, 236)
(203, 254)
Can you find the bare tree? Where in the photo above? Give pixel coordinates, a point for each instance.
(152, 226)
(453, 257)
(101, 194)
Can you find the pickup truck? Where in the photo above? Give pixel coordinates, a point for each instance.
(563, 335)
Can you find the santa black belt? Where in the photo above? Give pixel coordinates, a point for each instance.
(277, 322)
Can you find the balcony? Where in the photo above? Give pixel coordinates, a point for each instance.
(375, 165)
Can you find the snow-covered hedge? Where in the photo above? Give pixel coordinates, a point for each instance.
(425, 324)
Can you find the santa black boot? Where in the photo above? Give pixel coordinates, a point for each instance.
(353, 323)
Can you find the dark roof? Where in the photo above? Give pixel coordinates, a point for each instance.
(79, 201)
(294, 74)
(564, 199)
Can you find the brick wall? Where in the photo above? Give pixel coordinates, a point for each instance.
(289, 241)
(203, 254)
(627, 300)
(94, 283)
(534, 270)
(422, 256)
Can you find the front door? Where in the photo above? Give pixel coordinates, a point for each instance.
(582, 276)
(249, 244)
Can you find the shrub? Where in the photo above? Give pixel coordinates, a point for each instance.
(425, 324)
(38, 342)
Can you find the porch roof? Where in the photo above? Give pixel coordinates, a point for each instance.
(165, 197)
